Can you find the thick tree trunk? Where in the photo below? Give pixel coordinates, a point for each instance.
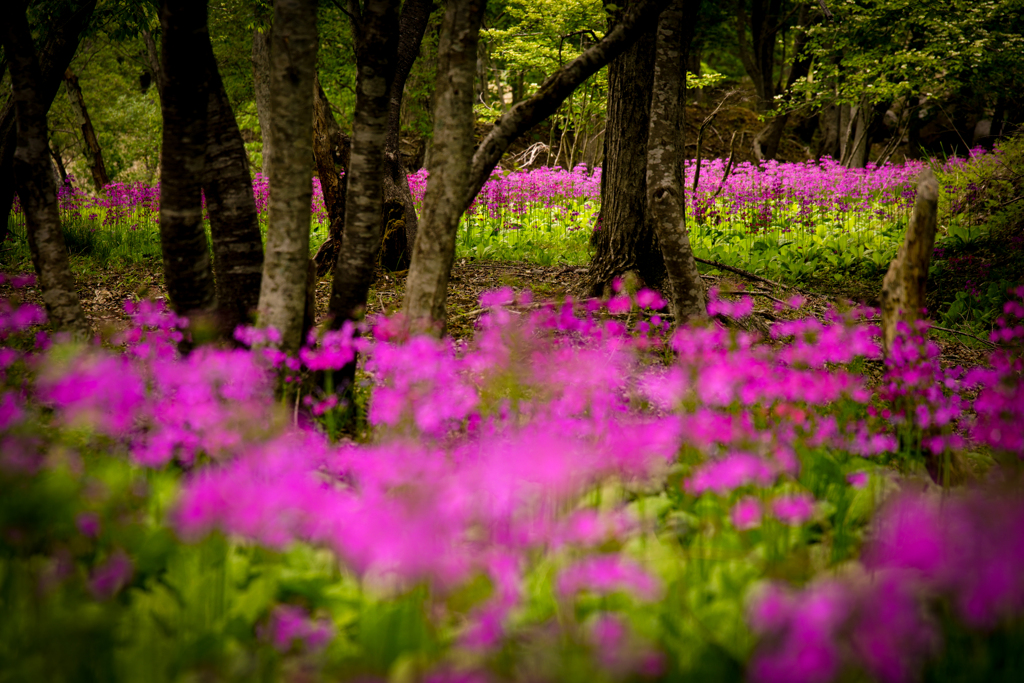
(625, 239)
(828, 142)
(293, 64)
(261, 86)
(234, 225)
(187, 270)
(96, 166)
(434, 250)
(332, 151)
(53, 59)
(376, 46)
(903, 287)
(34, 178)
(665, 166)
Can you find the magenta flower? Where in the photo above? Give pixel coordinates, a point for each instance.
(793, 510)
(111, 576)
(746, 514)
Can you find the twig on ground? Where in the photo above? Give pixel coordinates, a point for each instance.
(964, 334)
(757, 293)
(744, 273)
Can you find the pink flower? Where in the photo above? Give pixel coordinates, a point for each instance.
(110, 577)
(606, 574)
(793, 510)
(746, 513)
(857, 480)
(291, 627)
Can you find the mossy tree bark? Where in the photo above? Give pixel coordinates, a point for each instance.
(34, 177)
(666, 161)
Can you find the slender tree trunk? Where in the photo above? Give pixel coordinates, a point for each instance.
(434, 250)
(758, 53)
(665, 163)
(400, 220)
(261, 86)
(293, 64)
(332, 151)
(96, 166)
(625, 239)
(187, 271)
(234, 224)
(766, 143)
(376, 46)
(34, 178)
(153, 59)
(54, 57)
(58, 160)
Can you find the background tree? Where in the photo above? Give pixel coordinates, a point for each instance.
(285, 268)
(33, 178)
(666, 200)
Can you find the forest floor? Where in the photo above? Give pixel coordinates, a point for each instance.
(105, 287)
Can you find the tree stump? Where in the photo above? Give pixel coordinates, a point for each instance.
(904, 285)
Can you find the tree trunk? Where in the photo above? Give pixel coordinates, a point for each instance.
(766, 143)
(624, 239)
(54, 57)
(261, 86)
(153, 59)
(62, 171)
(187, 270)
(234, 224)
(434, 250)
(96, 166)
(332, 151)
(293, 64)
(758, 54)
(34, 178)
(376, 45)
(400, 220)
(665, 165)
(903, 287)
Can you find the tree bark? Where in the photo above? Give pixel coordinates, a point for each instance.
(445, 199)
(34, 178)
(903, 287)
(186, 254)
(665, 166)
(399, 219)
(376, 45)
(293, 64)
(96, 166)
(54, 57)
(625, 239)
(332, 151)
(261, 86)
(234, 224)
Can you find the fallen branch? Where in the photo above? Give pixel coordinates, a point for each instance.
(756, 293)
(743, 273)
(963, 334)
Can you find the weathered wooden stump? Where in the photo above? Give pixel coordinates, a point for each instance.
(904, 285)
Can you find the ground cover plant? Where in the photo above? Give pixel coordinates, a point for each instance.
(590, 501)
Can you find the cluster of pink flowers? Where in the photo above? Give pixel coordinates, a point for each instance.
(483, 457)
